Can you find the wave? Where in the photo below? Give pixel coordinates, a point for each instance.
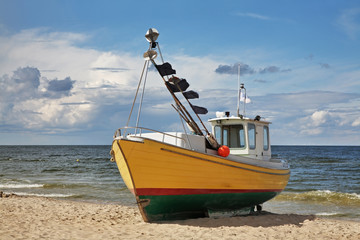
(327, 214)
(5, 186)
(67, 185)
(50, 195)
(322, 197)
(353, 215)
(51, 170)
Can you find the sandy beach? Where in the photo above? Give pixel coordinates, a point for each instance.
(46, 218)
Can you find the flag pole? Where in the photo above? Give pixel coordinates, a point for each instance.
(238, 102)
(244, 99)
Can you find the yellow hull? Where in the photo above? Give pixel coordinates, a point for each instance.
(175, 183)
(157, 165)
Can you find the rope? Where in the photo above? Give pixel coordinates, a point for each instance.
(137, 90)
(142, 96)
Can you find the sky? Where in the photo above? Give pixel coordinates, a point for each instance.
(69, 69)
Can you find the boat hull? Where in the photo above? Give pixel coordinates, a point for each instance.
(176, 207)
(175, 183)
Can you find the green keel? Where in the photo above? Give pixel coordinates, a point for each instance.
(179, 207)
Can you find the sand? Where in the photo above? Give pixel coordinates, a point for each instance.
(46, 218)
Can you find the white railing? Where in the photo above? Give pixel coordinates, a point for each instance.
(123, 132)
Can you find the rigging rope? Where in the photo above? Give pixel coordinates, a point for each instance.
(142, 96)
(137, 90)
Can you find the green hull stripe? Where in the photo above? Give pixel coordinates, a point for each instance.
(176, 207)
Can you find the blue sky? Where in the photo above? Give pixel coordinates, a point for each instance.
(69, 69)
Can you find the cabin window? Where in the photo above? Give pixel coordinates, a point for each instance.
(225, 136)
(232, 136)
(218, 134)
(266, 138)
(237, 136)
(252, 136)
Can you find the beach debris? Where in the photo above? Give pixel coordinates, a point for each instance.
(6, 195)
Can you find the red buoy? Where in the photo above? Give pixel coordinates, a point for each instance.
(224, 151)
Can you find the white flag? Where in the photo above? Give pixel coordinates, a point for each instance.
(244, 98)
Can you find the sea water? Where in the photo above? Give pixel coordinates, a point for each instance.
(324, 181)
(66, 172)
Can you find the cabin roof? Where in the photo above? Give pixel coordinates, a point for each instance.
(234, 119)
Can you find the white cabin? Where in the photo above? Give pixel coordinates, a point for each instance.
(244, 136)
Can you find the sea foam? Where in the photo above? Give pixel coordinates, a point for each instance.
(11, 186)
(322, 197)
(50, 195)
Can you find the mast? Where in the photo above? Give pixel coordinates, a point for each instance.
(175, 84)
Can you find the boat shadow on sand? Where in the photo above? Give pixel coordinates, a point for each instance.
(263, 219)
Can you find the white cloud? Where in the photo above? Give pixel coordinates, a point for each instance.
(58, 85)
(198, 71)
(311, 131)
(348, 21)
(319, 118)
(26, 105)
(63, 88)
(56, 55)
(313, 124)
(348, 80)
(315, 117)
(254, 15)
(356, 122)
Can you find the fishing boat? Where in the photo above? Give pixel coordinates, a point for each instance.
(196, 173)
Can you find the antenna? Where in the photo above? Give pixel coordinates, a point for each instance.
(238, 102)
